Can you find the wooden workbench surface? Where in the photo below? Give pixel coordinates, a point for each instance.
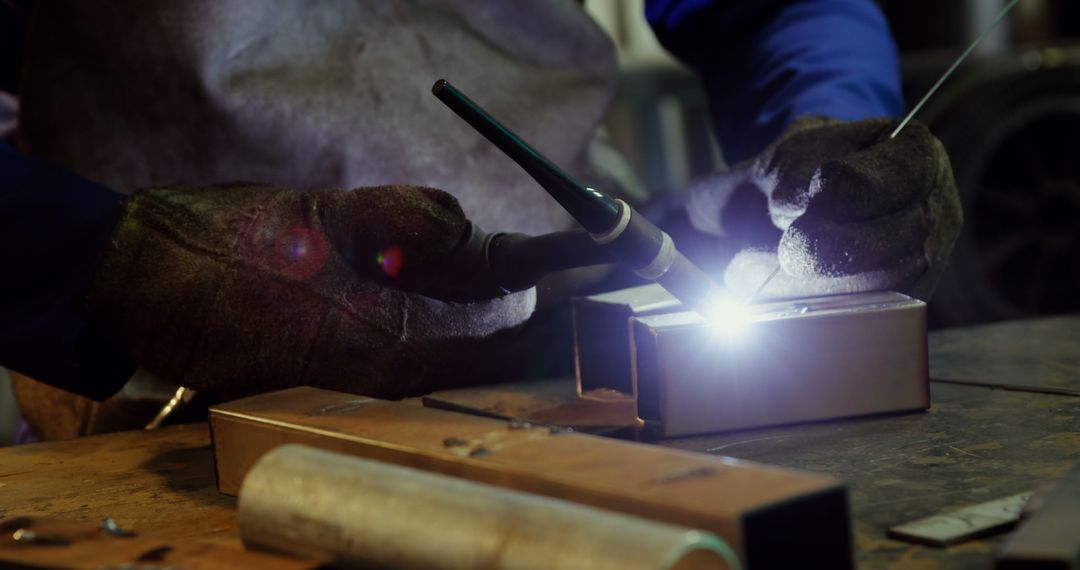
(160, 483)
(976, 444)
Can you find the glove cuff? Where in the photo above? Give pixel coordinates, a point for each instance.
(150, 274)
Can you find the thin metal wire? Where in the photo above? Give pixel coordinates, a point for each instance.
(1001, 16)
(761, 287)
(952, 68)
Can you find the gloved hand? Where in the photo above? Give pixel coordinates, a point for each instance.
(242, 288)
(858, 211)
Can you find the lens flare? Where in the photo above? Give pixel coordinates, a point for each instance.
(300, 252)
(390, 260)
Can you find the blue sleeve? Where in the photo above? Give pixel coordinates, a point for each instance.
(54, 226)
(765, 62)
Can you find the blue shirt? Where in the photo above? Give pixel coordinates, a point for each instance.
(764, 62)
(54, 225)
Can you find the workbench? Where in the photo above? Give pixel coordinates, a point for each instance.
(977, 443)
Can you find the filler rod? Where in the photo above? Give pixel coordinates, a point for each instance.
(952, 68)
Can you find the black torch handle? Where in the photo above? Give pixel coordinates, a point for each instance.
(612, 223)
(595, 211)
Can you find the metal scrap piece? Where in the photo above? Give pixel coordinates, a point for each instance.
(964, 524)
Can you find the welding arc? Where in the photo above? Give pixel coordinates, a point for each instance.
(952, 68)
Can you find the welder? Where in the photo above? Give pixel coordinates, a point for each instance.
(127, 244)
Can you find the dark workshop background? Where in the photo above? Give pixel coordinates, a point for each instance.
(1010, 119)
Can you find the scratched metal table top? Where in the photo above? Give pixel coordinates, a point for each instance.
(977, 443)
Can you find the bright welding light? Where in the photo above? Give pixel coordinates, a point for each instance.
(728, 316)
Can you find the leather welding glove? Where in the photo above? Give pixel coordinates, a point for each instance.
(242, 288)
(858, 210)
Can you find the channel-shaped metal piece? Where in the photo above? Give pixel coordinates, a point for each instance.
(789, 361)
(602, 338)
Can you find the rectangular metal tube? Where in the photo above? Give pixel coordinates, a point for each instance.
(797, 360)
(793, 361)
(602, 334)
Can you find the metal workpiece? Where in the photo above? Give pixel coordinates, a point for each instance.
(359, 512)
(765, 364)
(789, 361)
(602, 337)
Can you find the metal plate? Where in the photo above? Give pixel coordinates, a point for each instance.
(967, 523)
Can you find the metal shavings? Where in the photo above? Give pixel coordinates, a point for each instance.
(110, 527)
(964, 524)
(521, 424)
(28, 536)
(23, 535)
(480, 452)
(341, 407)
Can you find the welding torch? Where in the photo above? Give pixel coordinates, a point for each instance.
(612, 229)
